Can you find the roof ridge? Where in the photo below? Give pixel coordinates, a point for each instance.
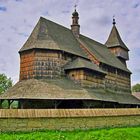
(103, 54)
(93, 47)
(42, 18)
(83, 63)
(94, 40)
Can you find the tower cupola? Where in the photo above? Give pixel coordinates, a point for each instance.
(116, 45)
(75, 27)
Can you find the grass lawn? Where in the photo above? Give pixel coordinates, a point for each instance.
(130, 133)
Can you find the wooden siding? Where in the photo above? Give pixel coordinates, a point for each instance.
(42, 64)
(76, 74)
(113, 81)
(27, 65)
(119, 52)
(41, 113)
(87, 78)
(47, 64)
(117, 82)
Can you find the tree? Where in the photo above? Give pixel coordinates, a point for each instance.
(136, 88)
(5, 83)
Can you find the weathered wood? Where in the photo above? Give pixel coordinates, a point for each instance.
(26, 65)
(119, 52)
(42, 64)
(90, 55)
(40, 113)
(49, 64)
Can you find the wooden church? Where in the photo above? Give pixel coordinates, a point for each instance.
(61, 68)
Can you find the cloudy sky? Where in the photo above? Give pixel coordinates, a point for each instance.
(18, 18)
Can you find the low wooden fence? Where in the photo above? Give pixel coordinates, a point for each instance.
(66, 119)
(43, 113)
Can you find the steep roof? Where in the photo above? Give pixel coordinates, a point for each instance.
(63, 89)
(115, 40)
(136, 94)
(82, 63)
(102, 53)
(50, 35)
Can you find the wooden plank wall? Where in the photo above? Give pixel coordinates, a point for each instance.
(87, 79)
(26, 65)
(120, 82)
(42, 64)
(118, 51)
(60, 113)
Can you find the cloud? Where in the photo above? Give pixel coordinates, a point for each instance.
(18, 0)
(2, 65)
(18, 18)
(3, 8)
(136, 5)
(13, 28)
(1, 29)
(64, 12)
(23, 34)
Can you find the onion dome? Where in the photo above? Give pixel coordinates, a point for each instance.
(75, 13)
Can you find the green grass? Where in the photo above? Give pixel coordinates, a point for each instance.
(130, 133)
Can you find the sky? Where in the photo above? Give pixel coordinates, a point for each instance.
(19, 17)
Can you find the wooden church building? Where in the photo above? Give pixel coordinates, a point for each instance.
(61, 68)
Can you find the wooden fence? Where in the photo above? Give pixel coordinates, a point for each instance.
(61, 113)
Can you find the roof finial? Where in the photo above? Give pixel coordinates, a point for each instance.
(75, 13)
(76, 4)
(114, 22)
(75, 7)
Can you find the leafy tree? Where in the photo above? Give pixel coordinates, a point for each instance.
(136, 88)
(5, 83)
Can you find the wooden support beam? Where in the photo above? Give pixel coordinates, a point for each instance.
(8, 104)
(103, 104)
(56, 103)
(114, 105)
(0, 104)
(21, 104)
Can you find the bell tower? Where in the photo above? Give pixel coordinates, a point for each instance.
(116, 45)
(75, 27)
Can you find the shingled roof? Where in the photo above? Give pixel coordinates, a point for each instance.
(82, 63)
(50, 35)
(136, 94)
(63, 89)
(115, 40)
(102, 53)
